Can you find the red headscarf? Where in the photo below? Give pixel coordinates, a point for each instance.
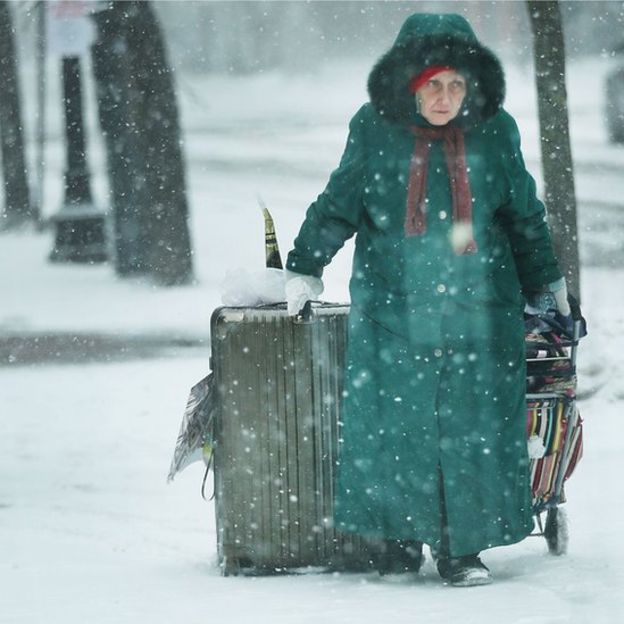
(426, 74)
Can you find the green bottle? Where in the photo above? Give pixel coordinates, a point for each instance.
(271, 248)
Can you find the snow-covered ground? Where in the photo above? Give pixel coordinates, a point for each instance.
(89, 529)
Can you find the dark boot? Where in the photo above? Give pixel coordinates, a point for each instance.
(466, 571)
(398, 556)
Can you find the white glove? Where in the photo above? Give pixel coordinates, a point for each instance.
(299, 289)
(560, 293)
(553, 301)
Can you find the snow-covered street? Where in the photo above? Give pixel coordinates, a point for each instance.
(89, 528)
(91, 531)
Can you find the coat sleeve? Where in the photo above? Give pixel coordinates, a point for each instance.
(335, 215)
(524, 218)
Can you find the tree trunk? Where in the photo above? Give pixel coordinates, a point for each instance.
(169, 255)
(139, 117)
(18, 209)
(119, 113)
(549, 55)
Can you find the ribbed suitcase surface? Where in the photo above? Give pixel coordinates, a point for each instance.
(276, 435)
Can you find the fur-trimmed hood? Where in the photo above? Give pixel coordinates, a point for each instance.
(427, 39)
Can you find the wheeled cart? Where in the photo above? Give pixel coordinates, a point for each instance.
(554, 425)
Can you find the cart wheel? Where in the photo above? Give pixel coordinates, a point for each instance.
(556, 531)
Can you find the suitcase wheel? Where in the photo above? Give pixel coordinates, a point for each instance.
(556, 531)
(230, 566)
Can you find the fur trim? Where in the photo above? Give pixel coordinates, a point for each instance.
(388, 83)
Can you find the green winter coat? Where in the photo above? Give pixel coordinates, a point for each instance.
(434, 409)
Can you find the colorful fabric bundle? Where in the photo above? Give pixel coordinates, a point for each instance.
(554, 425)
(554, 429)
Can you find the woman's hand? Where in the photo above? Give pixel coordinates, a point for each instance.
(300, 289)
(553, 301)
(563, 314)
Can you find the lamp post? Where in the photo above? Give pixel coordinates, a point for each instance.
(80, 227)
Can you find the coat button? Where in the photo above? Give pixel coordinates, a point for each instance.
(441, 288)
(437, 352)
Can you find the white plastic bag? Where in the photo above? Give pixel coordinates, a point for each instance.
(250, 288)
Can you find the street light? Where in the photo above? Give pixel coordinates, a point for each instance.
(80, 227)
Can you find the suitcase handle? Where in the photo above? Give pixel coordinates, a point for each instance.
(305, 314)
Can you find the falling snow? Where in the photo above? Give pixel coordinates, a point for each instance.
(89, 529)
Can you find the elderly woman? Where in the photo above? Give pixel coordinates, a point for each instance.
(450, 240)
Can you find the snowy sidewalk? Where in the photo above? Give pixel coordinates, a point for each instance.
(90, 531)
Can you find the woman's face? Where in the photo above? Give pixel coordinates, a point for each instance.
(441, 97)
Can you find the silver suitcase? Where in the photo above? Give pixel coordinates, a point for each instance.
(278, 385)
